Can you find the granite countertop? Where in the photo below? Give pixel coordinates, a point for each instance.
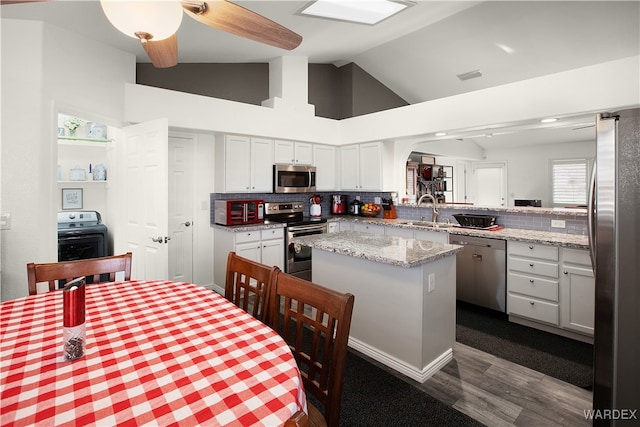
(575, 241)
(249, 227)
(512, 209)
(398, 251)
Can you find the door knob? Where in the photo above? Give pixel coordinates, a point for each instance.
(186, 224)
(156, 239)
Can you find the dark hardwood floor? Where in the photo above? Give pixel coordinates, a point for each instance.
(497, 392)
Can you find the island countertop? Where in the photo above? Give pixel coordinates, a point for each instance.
(398, 251)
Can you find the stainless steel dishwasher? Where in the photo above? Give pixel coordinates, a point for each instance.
(481, 271)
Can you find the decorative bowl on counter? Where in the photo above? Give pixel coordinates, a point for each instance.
(370, 210)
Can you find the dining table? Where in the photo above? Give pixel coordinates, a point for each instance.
(157, 353)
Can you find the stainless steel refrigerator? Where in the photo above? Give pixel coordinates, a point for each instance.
(614, 216)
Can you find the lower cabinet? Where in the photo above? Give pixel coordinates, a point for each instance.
(263, 246)
(577, 291)
(369, 228)
(551, 285)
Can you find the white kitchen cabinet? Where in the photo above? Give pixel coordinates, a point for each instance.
(369, 228)
(244, 164)
(272, 247)
(299, 153)
(366, 167)
(350, 167)
(532, 282)
(346, 225)
(264, 246)
(324, 159)
(577, 291)
(413, 233)
(407, 233)
(433, 236)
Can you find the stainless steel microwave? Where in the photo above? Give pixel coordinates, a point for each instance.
(294, 178)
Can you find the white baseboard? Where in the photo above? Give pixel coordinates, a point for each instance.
(420, 375)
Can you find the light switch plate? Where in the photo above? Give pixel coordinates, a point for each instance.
(558, 223)
(5, 221)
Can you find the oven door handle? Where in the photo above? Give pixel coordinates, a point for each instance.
(295, 229)
(306, 233)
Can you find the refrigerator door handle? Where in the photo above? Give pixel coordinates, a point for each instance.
(591, 227)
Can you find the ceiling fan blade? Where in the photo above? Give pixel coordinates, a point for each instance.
(234, 19)
(163, 53)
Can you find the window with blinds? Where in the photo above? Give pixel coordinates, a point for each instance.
(569, 182)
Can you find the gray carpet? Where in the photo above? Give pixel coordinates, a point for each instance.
(568, 360)
(374, 397)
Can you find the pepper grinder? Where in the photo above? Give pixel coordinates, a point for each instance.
(73, 313)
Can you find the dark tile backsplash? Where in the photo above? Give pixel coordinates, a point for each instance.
(575, 224)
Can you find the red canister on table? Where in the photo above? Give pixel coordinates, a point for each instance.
(73, 319)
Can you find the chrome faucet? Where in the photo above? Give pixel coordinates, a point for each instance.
(434, 218)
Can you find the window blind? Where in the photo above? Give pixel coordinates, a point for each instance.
(569, 182)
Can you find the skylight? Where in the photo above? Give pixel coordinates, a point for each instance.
(360, 11)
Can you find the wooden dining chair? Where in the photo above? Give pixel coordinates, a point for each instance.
(248, 283)
(299, 419)
(315, 322)
(97, 269)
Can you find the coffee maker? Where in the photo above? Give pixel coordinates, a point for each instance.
(339, 204)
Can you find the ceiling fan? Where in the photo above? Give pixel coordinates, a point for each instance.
(155, 24)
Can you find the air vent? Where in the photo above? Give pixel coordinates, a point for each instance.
(470, 75)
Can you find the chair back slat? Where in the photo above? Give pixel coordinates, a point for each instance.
(248, 285)
(53, 273)
(315, 322)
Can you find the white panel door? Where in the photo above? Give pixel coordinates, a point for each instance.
(181, 185)
(489, 184)
(145, 212)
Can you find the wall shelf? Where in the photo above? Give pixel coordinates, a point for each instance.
(82, 182)
(76, 141)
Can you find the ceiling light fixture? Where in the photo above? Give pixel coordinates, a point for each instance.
(144, 20)
(549, 120)
(470, 75)
(441, 134)
(368, 12)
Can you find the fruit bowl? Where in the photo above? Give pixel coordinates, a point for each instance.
(370, 210)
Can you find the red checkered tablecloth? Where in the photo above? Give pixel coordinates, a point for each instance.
(158, 353)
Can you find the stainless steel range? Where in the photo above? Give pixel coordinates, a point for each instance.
(298, 257)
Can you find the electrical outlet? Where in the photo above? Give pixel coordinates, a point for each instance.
(431, 282)
(558, 223)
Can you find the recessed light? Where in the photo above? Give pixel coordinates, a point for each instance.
(441, 134)
(363, 12)
(549, 120)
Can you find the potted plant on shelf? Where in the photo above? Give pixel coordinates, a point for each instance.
(73, 123)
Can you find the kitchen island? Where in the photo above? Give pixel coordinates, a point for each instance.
(404, 314)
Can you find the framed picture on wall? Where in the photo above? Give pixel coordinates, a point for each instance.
(72, 198)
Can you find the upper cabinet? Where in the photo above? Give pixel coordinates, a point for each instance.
(324, 159)
(244, 164)
(299, 153)
(366, 167)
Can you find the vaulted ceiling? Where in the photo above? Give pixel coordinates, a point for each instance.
(417, 53)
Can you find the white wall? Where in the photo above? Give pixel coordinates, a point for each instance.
(528, 167)
(40, 76)
(41, 73)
